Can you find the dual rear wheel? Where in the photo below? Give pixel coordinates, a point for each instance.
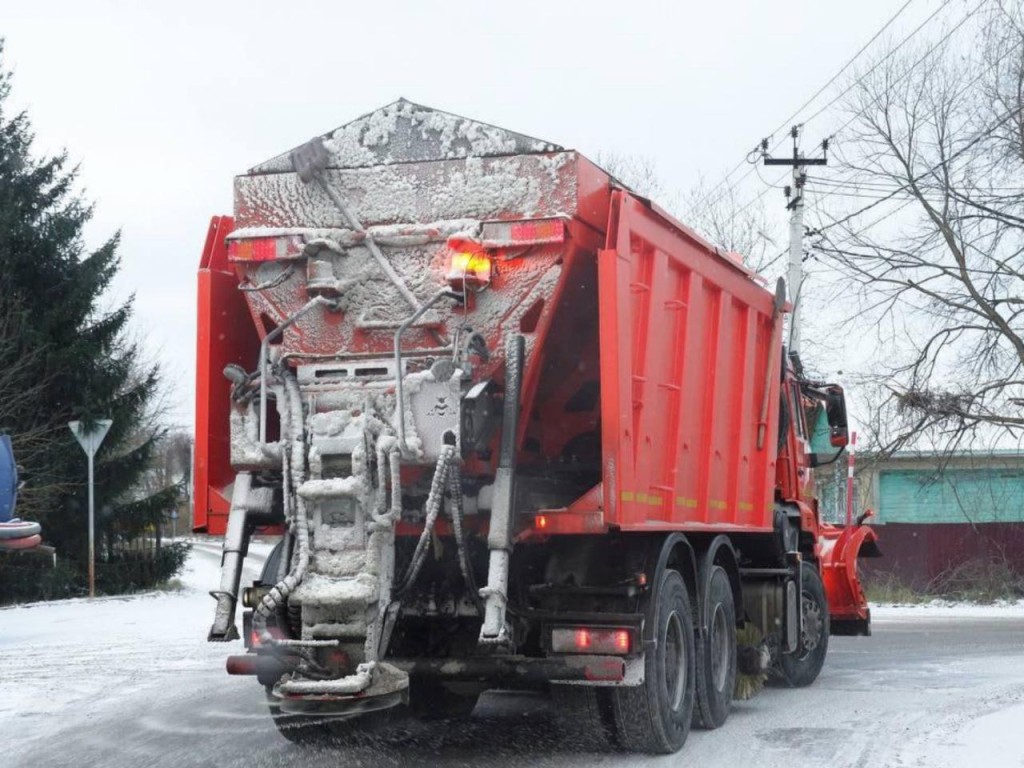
(655, 716)
(716, 679)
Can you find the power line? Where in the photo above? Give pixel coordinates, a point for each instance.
(904, 75)
(892, 192)
(892, 52)
(860, 79)
(870, 186)
(847, 65)
(822, 89)
(913, 181)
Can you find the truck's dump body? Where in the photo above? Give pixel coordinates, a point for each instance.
(665, 381)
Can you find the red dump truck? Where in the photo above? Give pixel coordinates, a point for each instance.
(517, 427)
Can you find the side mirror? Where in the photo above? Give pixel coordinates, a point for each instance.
(835, 412)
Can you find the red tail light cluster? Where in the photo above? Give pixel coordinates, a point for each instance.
(508, 234)
(613, 641)
(264, 248)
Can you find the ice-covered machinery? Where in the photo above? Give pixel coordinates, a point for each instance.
(490, 399)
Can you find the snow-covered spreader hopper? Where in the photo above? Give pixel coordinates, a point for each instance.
(517, 427)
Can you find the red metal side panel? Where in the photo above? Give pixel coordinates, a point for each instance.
(685, 337)
(224, 334)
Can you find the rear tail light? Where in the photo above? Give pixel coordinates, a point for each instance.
(264, 248)
(610, 641)
(509, 234)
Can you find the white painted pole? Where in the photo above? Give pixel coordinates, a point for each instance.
(92, 532)
(796, 258)
(90, 442)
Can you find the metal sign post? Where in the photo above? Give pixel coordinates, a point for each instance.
(90, 440)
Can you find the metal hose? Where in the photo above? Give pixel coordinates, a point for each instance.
(434, 503)
(293, 474)
(455, 488)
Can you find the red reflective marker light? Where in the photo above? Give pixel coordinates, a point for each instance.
(608, 641)
(622, 641)
(541, 521)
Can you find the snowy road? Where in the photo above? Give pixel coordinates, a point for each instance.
(131, 682)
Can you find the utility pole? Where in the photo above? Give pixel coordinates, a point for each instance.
(795, 206)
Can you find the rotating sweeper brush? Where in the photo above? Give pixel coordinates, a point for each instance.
(753, 658)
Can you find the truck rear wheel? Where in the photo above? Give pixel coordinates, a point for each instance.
(655, 717)
(716, 674)
(800, 669)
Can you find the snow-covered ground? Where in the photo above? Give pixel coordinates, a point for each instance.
(66, 657)
(132, 682)
(944, 609)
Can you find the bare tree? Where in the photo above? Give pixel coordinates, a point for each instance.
(935, 249)
(741, 228)
(638, 172)
(20, 393)
(715, 213)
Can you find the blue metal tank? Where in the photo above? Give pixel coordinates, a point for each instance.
(8, 479)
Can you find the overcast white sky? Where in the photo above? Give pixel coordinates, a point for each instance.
(162, 106)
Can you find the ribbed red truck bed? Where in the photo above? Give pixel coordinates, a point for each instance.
(685, 344)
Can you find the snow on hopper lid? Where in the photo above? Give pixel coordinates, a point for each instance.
(404, 132)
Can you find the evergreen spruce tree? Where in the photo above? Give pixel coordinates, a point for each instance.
(64, 354)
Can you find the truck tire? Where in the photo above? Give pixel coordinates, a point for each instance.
(583, 715)
(655, 717)
(716, 674)
(800, 669)
(272, 565)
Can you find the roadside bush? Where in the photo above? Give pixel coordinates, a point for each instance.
(26, 579)
(135, 571)
(983, 580)
(890, 588)
(979, 580)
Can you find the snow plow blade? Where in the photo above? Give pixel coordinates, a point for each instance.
(840, 549)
